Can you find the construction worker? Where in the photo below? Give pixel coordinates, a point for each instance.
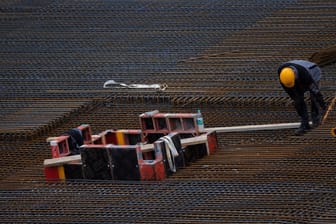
(296, 78)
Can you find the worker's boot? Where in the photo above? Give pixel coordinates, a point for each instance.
(304, 127)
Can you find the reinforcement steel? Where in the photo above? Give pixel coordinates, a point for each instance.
(217, 56)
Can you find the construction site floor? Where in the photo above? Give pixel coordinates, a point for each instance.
(217, 56)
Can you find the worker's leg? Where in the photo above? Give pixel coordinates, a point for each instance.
(301, 109)
(315, 112)
(316, 94)
(318, 105)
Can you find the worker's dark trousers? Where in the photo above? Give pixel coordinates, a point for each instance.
(301, 109)
(317, 106)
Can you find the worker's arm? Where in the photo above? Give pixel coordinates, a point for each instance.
(293, 94)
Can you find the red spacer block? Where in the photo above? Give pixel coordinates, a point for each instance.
(86, 132)
(110, 137)
(60, 147)
(159, 168)
(151, 169)
(212, 143)
(97, 140)
(147, 171)
(51, 173)
(54, 173)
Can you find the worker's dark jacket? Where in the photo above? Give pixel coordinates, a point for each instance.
(307, 78)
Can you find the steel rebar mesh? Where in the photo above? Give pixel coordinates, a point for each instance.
(218, 56)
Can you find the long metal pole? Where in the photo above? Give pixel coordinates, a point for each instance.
(261, 127)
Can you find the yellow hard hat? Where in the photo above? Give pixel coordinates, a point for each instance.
(287, 77)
